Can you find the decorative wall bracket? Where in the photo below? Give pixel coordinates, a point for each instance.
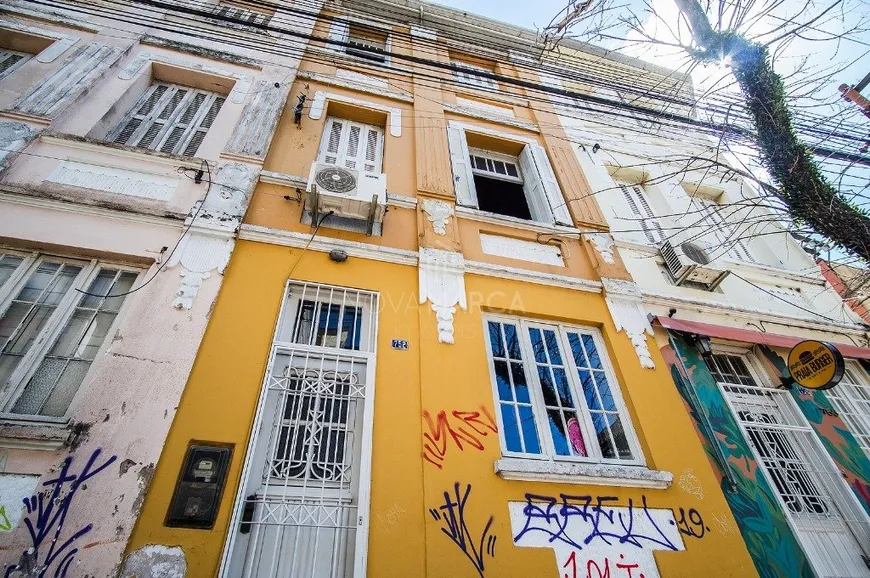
(442, 283)
(199, 254)
(438, 213)
(603, 243)
(626, 308)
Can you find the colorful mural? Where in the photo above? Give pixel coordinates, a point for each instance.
(836, 437)
(770, 541)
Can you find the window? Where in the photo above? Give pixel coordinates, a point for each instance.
(363, 40)
(715, 218)
(851, 399)
(556, 395)
(468, 75)
(241, 12)
(169, 118)
(498, 184)
(642, 213)
(521, 186)
(352, 145)
(49, 333)
(10, 60)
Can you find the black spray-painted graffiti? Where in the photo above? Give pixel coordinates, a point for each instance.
(600, 519)
(690, 523)
(452, 515)
(49, 554)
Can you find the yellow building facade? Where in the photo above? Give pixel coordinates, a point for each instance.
(468, 390)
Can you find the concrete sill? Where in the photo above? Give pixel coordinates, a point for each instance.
(33, 433)
(579, 473)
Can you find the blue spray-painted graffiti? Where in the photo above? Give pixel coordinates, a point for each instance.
(632, 524)
(49, 554)
(452, 515)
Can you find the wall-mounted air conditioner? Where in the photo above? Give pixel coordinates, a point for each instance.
(689, 262)
(347, 192)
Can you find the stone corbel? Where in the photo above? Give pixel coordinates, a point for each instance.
(442, 283)
(603, 243)
(626, 308)
(438, 213)
(198, 254)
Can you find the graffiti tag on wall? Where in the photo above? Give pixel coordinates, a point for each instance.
(593, 537)
(465, 428)
(452, 515)
(52, 549)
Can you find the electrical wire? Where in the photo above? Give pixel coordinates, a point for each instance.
(162, 265)
(305, 248)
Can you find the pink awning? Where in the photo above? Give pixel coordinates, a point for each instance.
(750, 336)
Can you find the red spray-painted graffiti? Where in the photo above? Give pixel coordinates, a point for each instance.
(464, 427)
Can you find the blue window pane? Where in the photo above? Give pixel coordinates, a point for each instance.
(591, 351)
(495, 339)
(547, 386)
(512, 439)
(553, 347)
(562, 387)
(521, 389)
(577, 350)
(513, 343)
(557, 429)
(537, 345)
(604, 391)
(589, 390)
(530, 434)
(503, 381)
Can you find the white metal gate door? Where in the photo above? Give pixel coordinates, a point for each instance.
(829, 522)
(303, 508)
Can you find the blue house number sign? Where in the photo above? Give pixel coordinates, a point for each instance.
(400, 344)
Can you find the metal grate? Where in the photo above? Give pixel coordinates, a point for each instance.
(303, 506)
(821, 509)
(851, 399)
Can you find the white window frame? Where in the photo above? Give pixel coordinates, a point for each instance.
(359, 159)
(472, 79)
(339, 31)
(548, 452)
(147, 120)
(638, 201)
(852, 405)
(6, 53)
(54, 325)
(493, 156)
(543, 194)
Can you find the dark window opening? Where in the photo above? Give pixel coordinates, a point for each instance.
(501, 197)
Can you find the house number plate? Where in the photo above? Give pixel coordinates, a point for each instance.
(400, 344)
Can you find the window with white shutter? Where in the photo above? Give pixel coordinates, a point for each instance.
(10, 60)
(522, 186)
(170, 118)
(643, 217)
(720, 224)
(352, 145)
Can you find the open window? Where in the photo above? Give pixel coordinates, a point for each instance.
(516, 181)
(469, 74)
(363, 40)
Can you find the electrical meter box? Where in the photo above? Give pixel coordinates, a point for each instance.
(199, 487)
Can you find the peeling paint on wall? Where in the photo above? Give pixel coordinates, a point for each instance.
(155, 561)
(14, 489)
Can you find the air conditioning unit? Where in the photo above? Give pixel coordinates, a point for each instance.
(347, 192)
(689, 262)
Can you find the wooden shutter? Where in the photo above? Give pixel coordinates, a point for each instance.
(533, 186)
(330, 145)
(643, 213)
(552, 192)
(170, 118)
(351, 144)
(10, 60)
(723, 230)
(463, 181)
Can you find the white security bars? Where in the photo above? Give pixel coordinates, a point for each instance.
(169, 118)
(50, 334)
(851, 399)
(302, 509)
(828, 521)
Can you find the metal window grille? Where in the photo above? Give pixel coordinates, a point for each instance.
(851, 399)
(10, 60)
(554, 393)
(824, 514)
(302, 508)
(170, 118)
(42, 380)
